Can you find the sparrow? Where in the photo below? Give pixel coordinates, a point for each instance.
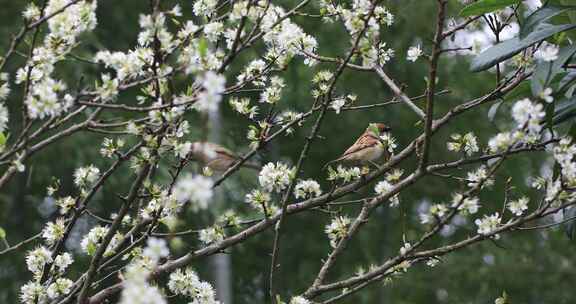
(367, 148)
(216, 157)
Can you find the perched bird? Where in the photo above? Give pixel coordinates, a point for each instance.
(216, 157)
(368, 148)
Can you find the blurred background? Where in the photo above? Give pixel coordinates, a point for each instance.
(532, 267)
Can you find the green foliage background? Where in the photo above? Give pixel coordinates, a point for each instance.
(532, 267)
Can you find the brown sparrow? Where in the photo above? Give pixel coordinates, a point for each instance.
(216, 157)
(367, 148)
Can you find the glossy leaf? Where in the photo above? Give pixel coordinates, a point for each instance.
(486, 6)
(541, 76)
(509, 48)
(494, 110)
(541, 15)
(565, 110)
(520, 91)
(568, 215)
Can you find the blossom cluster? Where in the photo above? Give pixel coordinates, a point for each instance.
(38, 261)
(47, 96)
(136, 288)
(187, 283)
(528, 116)
(275, 177)
(467, 143)
(337, 229)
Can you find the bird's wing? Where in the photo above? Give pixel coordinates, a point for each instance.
(364, 141)
(221, 151)
(226, 153)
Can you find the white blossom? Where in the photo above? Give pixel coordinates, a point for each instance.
(467, 143)
(5, 87)
(127, 65)
(187, 283)
(108, 89)
(389, 142)
(37, 259)
(86, 176)
(61, 286)
(337, 229)
(62, 261)
(553, 190)
(94, 238)
(209, 99)
(204, 7)
(438, 210)
(54, 231)
(432, 262)
(211, 235)
(517, 207)
(176, 11)
(299, 300)
(488, 224)
(547, 52)
(528, 115)
(405, 248)
(501, 142)
(385, 187)
(196, 189)
(546, 95)
(259, 200)
(479, 178)
(156, 249)
(345, 174)
(275, 177)
(65, 204)
(4, 116)
(32, 293)
(181, 150)
(213, 30)
(468, 205)
(307, 188)
(273, 92)
(32, 12)
(414, 52)
(337, 104)
(243, 107)
(137, 292)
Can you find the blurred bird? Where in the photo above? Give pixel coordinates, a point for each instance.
(216, 157)
(368, 148)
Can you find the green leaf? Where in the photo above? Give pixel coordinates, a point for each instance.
(541, 15)
(550, 111)
(564, 56)
(565, 110)
(566, 81)
(203, 47)
(509, 48)
(570, 226)
(2, 234)
(2, 139)
(91, 249)
(550, 74)
(520, 91)
(486, 6)
(494, 110)
(541, 77)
